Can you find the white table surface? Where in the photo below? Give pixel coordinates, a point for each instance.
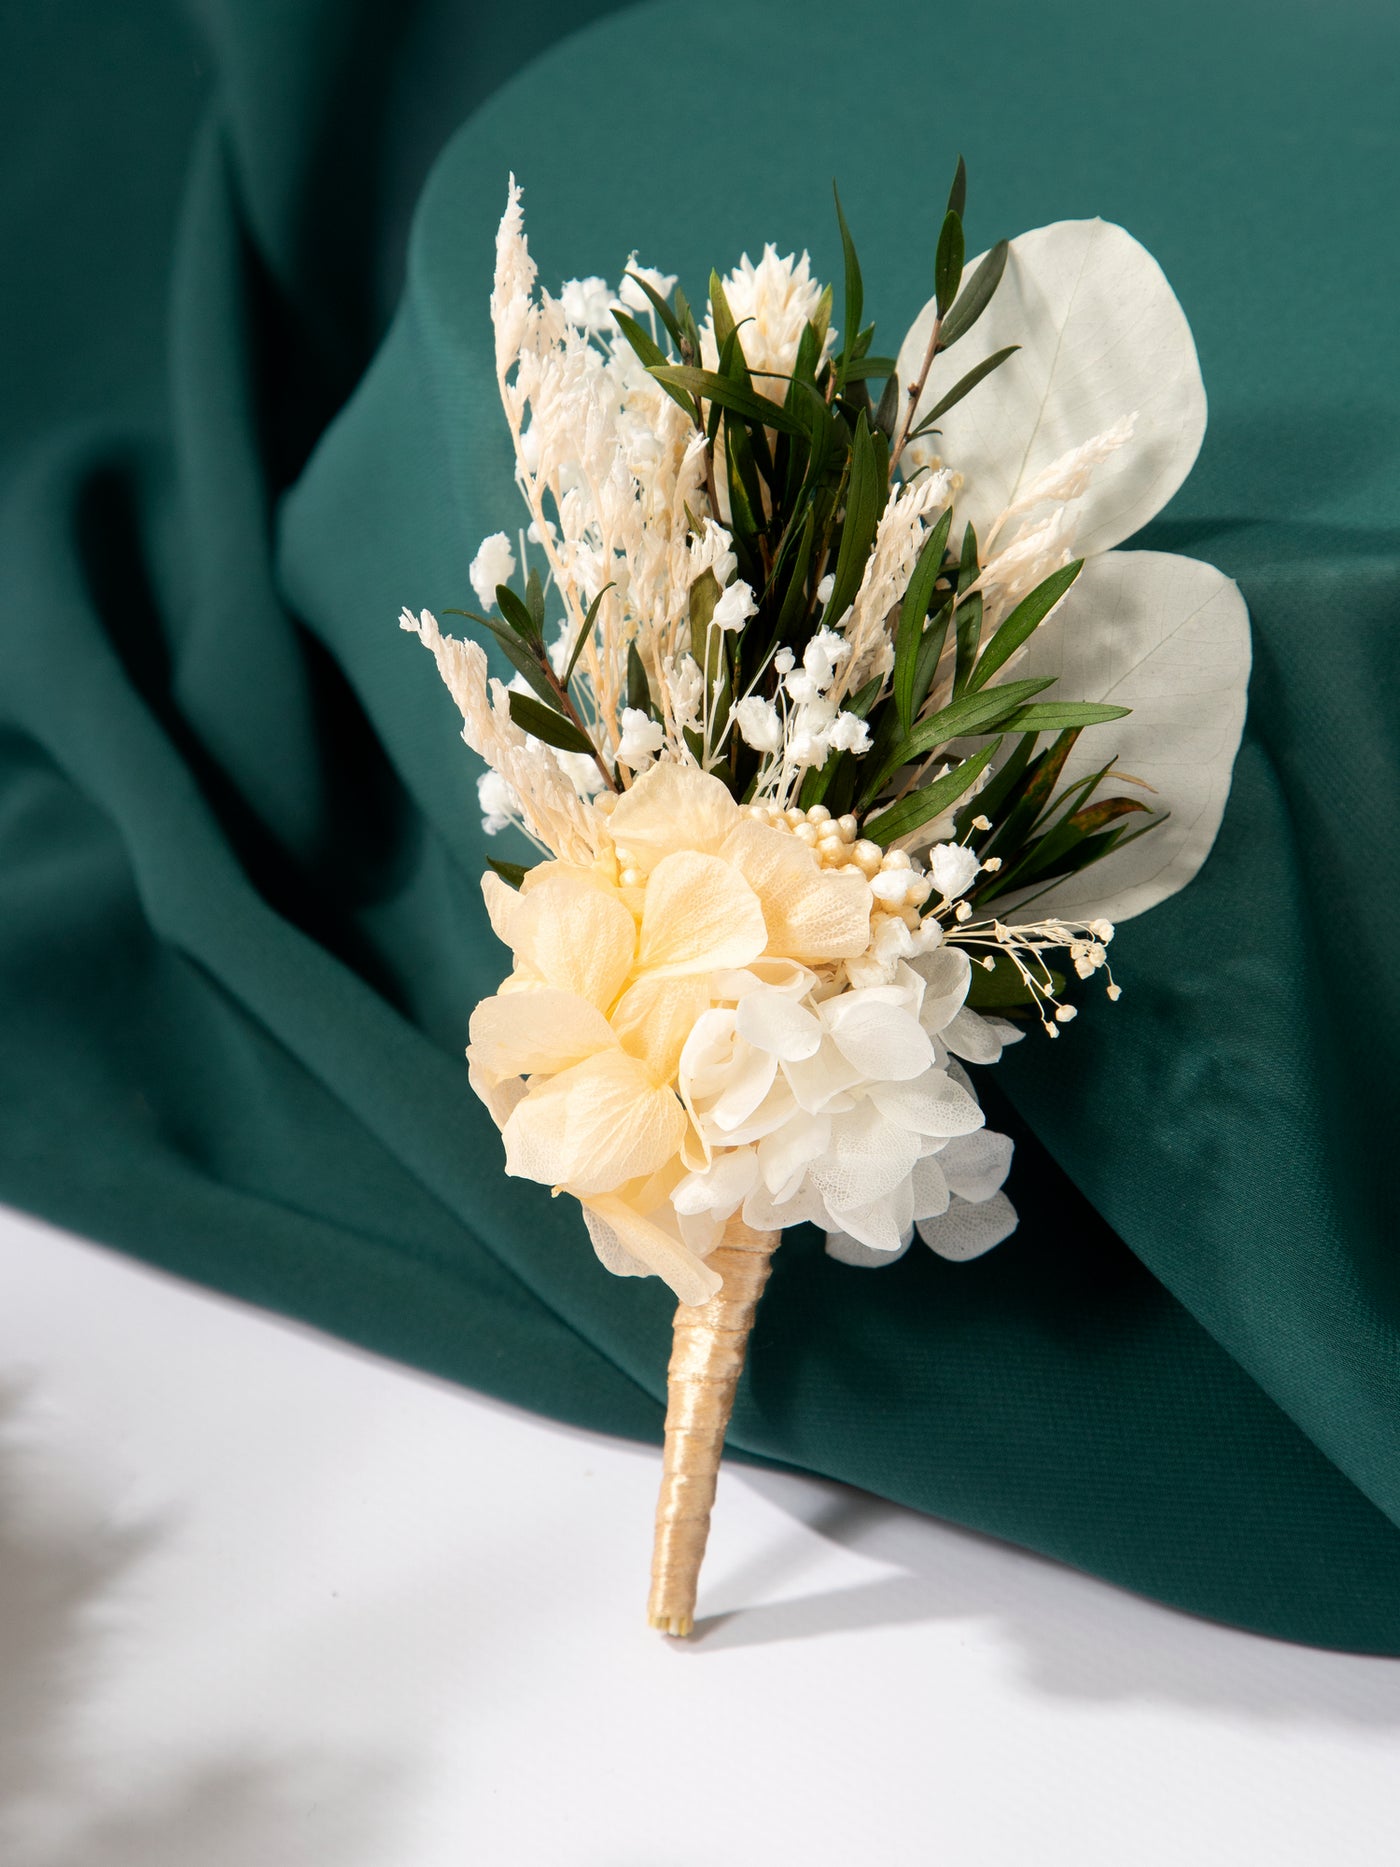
(266, 1601)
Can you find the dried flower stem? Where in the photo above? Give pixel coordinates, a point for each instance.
(707, 1356)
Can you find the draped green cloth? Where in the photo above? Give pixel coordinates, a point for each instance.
(240, 926)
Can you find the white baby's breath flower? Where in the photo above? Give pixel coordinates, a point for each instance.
(758, 723)
(642, 738)
(631, 295)
(954, 868)
(734, 607)
(587, 303)
(498, 803)
(494, 563)
(848, 733)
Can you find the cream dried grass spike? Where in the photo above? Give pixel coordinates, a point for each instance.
(709, 1341)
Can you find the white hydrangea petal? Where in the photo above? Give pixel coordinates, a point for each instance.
(868, 1159)
(1169, 637)
(880, 1040)
(971, 1036)
(976, 1165)
(884, 1223)
(966, 1229)
(729, 1179)
(820, 1081)
(764, 1213)
(930, 1188)
(777, 1108)
(946, 973)
(749, 1079)
(932, 1104)
(785, 1155)
(1102, 336)
(848, 1250)
(778, 1024)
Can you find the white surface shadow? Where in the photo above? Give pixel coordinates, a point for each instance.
(1075, 1636)
(70, 1579)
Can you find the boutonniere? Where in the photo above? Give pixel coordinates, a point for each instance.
(842, 731)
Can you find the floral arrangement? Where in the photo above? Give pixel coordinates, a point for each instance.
(815, 831)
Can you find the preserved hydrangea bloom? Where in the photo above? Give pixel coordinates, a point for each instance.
(834, 1110)
(577, 1055)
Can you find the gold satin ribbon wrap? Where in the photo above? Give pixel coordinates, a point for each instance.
(707, 1357)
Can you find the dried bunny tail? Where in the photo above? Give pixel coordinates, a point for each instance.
(553, 812)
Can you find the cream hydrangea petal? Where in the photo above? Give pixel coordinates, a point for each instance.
(700, 915)
(1169, 637)
(574, 934)
(672, 807)
(529, 1032)
(812, 914)
(594, 1127)
(1102, 336)
(967, 1229)
(655, 1016)
(611, 1253)
(500, 1097)
(644, 1242)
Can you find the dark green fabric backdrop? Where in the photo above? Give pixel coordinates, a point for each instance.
(240, 932)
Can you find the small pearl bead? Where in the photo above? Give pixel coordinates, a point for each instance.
(630, 878)
(848, 827)
(868, 855)
(806, 833)
(819, 814)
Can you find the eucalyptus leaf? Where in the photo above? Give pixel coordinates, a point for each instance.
(584, 632)
(948, 263)
(512, 873)
(729, 395)
(1023, 621)
(1053, 716)
(963, 386)
(912, 613)
(516, 614)
(910, 813)
(854, 301)
(976, 296)
(550, 727)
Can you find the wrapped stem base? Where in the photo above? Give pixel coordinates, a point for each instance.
(707, 1356)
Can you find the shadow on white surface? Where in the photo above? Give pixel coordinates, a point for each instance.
(1075, 1637)
(68, 1576)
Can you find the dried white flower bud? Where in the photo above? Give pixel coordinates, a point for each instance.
(954, 869)
(494, 563)
(642, 738)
